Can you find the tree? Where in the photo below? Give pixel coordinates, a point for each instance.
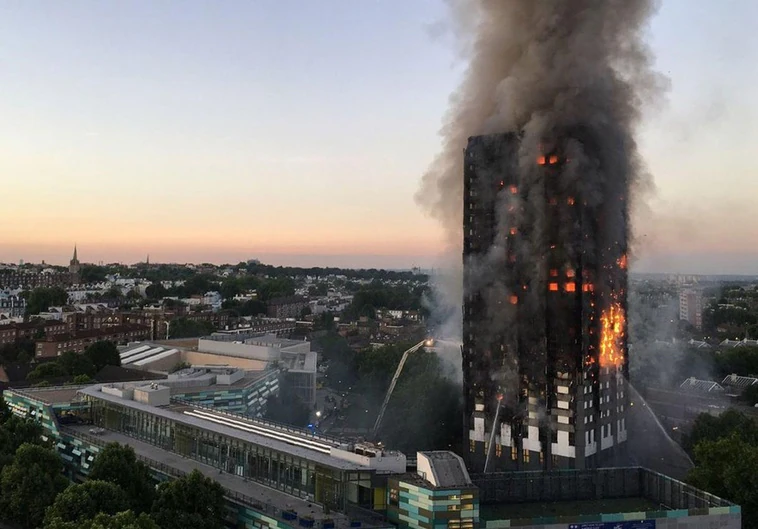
(230, 288)
(13, 433)
(92, 273)
(46, 371)
(42, 298)
(79, 503)
(709, 428)
(751, 395)
(156, 291)
(76, 364)
(118, 464)
(728, 468)
(122, 520)
(81, 380)
(30, 484)
(113, 293)
(186, 328)
(20, 352)
(305, 312)
(193, 501)
(5, 412)
(277, 287)
(103, 353)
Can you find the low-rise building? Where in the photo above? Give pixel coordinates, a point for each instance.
(15, 332)
(279, 477)
(287, 307)
(55, 345)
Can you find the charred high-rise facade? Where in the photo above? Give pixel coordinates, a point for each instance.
(544, 345)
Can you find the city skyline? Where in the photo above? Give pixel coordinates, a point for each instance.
(242, 131)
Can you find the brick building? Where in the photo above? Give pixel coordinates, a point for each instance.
(288, 307)
(32, 278)
(15, 332)
(55, 345)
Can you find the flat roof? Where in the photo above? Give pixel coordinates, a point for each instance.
(204, 424)
(447, 468)
(511, 511)
(52, 395)
(229, 481)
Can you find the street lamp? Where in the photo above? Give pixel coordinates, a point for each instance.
(318, 414)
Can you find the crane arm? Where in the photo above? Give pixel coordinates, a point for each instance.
(387, 397)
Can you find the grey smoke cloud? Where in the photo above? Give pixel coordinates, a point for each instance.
(539, 67)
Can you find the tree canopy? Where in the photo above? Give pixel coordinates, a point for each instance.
(84, 501)
(41, 298)
(30, 483)
(728, 468)
(122, 520)
(193, 501)
(101, 354)
(713, 428)
(186, 328)
(118, 464)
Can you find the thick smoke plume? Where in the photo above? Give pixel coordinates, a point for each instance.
(540, 68)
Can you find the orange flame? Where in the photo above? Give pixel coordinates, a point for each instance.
(621, 262)
(611, 336)
(541, 160)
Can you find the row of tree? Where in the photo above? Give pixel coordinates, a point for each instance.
(81, 368)
(379, 295)
(120, 492)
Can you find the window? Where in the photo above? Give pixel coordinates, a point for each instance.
(553, 287)
(514, 453)
(394, 495)
(526, 456)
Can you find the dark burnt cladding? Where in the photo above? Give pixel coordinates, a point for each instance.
(544, 332)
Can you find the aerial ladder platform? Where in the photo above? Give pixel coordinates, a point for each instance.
(423, 343)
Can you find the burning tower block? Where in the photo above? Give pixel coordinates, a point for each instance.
(544, 331)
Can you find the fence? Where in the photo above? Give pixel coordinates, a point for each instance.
(354, 512)
(597, 484)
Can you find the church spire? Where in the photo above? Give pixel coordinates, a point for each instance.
(74, 259)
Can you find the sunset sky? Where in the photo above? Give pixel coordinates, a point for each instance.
(296, 132)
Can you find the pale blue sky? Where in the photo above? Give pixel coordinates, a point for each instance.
(296, 131)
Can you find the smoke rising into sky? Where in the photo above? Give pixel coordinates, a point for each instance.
(539, 67)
